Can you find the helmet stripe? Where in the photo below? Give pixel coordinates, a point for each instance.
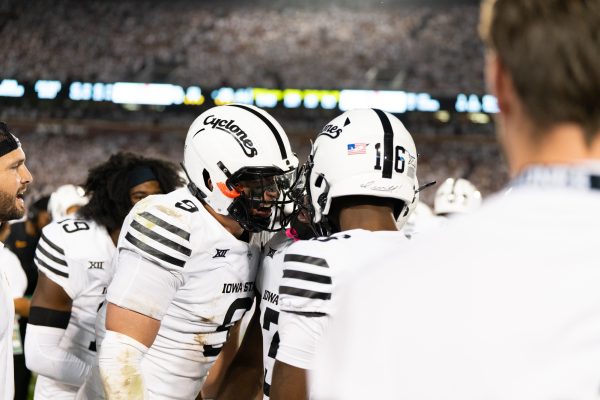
(271, 127)
(388, 143)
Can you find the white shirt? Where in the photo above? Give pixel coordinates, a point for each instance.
(7, 320)
(502, 304)
(15, 274)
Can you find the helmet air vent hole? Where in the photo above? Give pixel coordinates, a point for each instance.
(319, 181)
(206, 177)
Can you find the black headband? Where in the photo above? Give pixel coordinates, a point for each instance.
(8, 141)
(140, 174)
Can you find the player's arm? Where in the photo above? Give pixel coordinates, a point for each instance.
(50, 313)
(48, 319)
(217, 372)
(243, 379)
(304, 301)
(137, 301)
(152, 251)
(288, 382)
(299, 334)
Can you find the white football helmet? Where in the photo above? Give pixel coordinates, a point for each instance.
(235, 157)
(456, 196)
(362, 152)
(64, 199)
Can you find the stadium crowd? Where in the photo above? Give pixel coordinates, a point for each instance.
(417, 48)
(474, 157)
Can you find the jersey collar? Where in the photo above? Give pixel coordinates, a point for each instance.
(575, 177)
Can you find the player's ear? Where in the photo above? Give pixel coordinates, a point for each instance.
(499, 81)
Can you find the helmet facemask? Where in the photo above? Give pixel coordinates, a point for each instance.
(304, 208)
(259, 195)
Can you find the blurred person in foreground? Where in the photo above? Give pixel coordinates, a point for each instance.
(74, 257)
(14, 179)
(517, 314)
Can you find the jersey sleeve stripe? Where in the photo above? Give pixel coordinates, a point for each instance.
(45, 252)
(306, 276)
(43, 264)
(165, 225)
(160, 239)
(153, 252)
(319, 262)
(311, 294)
(49, 243)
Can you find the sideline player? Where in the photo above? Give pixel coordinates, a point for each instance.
(74, 259)
(516, 316)
(65, 201)
(184, 270)
(361, 177)
(456, 196)
(14, 180)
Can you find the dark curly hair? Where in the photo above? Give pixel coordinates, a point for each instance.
(108, 189)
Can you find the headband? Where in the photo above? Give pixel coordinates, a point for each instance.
(140, 174)
(8, 141)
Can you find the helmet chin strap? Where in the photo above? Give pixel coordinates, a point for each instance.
(194, 190)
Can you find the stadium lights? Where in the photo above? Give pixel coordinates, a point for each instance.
(442, 116)
(164, 94)
(47, 89)
(157, 94)
(479, 118)
(393, 101)
(473, 104)
(11, 88)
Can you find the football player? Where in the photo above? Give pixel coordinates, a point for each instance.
(184, 269)
(244, 376)
(14, 180)
(507, 305)
(361, 178)
(74, 259)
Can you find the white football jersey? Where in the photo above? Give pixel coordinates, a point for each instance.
(210, 286)
(314, 270)
(76, 254)
(503, 304)
(7, 311)
(268, 280)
